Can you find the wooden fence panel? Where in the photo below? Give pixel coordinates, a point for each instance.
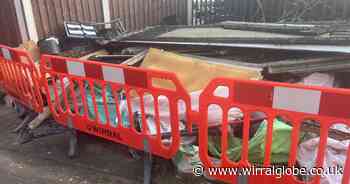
(9, 32)
(138, 14)
(50, 14)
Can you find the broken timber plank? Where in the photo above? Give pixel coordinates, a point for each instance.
(136, 59)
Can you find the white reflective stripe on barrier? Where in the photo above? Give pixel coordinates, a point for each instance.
(113, 74)
(6, 53)
(297, 100)
(75, 68)
(107, 73)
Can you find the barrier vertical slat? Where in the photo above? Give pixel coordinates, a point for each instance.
(346, 176)
(73, 95)
(105, 106)
(93, 96)
(224, 136)
(130, 109)
(294, 142)
(143, 114)
(246, 132)
(83, 98)
(157, 118)
(268, 140)
(117, 101)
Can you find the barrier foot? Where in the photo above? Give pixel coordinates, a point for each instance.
(147, 167)
(25, 122)
(134, 154)
(21, 110)
(48, 128)
(24, 133)
(73, 143)
(24, 136)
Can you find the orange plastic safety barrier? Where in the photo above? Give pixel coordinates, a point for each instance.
(125, 105)
(295, 102)
(20, 78)
(71, 76)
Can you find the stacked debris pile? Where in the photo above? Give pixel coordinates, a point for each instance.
(313, 54)
(189, 66)
(308, 54)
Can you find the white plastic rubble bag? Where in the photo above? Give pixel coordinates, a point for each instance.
(335, 155)
(214, 113)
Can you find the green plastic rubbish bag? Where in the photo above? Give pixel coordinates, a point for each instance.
(111, 105)
(279, 151)
(187, 156)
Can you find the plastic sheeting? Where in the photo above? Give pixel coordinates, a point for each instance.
(280, 145)
(164, 115)
(335, 155)
(320, 79)
(336, 151)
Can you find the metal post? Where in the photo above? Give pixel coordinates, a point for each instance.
(73, 140)
(147, 164)
(189, 12)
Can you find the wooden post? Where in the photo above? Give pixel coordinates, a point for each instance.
(29, 19)
(21, 20)
(106, 12)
